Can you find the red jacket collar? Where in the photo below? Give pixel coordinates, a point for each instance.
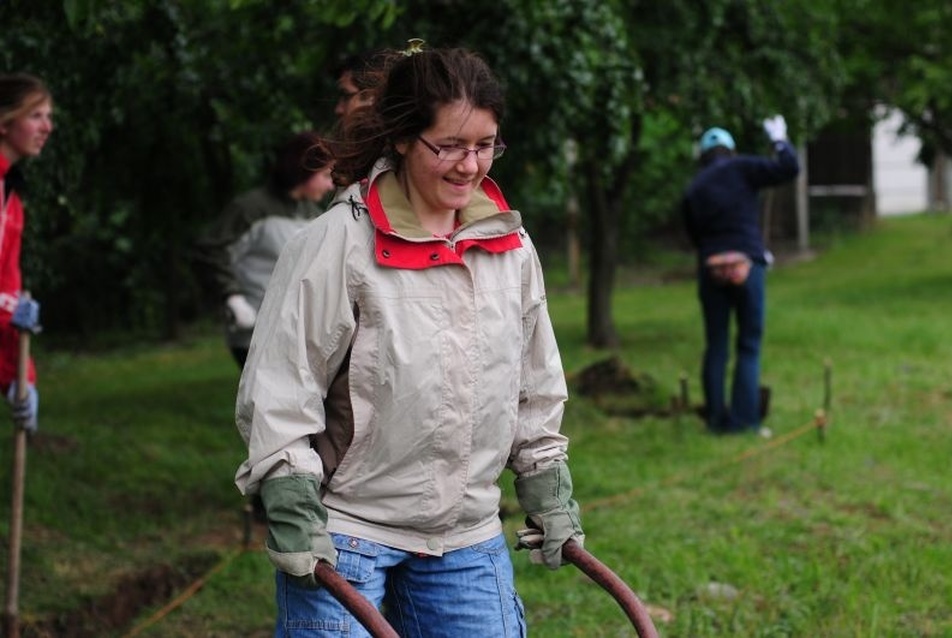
(400, 242)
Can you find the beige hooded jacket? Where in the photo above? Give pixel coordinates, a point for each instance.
(405, 371)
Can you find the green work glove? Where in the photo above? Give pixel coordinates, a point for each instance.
(297, 526)
(547, 500)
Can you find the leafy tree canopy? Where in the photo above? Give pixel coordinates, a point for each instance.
(166, 108)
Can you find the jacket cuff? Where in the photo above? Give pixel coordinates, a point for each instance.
(550, 489)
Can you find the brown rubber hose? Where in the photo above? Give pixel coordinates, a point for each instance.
(356, 604)
(610, 582)
(377, 625)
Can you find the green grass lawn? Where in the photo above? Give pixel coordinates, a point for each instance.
(130, 496)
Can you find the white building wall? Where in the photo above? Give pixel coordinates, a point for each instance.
(901, 183)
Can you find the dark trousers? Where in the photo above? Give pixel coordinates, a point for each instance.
(720, 304)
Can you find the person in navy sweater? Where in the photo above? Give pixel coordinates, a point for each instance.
(721, 209)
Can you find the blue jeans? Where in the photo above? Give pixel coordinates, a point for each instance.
(465, 592)
(747, 303)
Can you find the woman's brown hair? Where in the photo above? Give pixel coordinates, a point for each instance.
(410, 88)
(20, 92)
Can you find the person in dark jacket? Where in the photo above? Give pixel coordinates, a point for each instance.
(721, 209)
(237, 252)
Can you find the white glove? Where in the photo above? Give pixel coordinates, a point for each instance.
(24, 412)
(242, 312)
(776, 128)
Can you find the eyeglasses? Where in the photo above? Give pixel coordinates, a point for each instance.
(459, 153)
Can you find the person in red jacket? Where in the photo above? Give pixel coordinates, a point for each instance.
(26, 121)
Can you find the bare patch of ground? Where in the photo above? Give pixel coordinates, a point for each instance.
(115, 611)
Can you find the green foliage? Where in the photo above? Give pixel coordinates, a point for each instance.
(899, 54)
(167, 108)
(731, 63)
(585, 69)
(659, 182)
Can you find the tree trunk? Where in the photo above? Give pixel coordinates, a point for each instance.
(573, 246)
(171, 287)
(603, 256)
(938, 183)
(606, 200)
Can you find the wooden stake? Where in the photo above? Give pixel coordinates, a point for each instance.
(11, 609)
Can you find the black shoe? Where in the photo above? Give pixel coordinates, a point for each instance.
(764, 401)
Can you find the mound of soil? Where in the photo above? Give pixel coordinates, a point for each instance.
(617, 390)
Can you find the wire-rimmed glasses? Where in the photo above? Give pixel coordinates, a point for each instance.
(459, 153)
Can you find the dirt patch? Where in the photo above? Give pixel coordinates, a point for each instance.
(618, 390)
(115, 611)
(53, 444)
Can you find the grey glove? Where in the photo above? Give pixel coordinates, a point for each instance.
(546, 497)
(297, 526)
(531, 538)
(24, 412)
(26, 316)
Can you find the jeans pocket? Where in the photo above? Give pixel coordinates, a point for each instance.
(356, 558)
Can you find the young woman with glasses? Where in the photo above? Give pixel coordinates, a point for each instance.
(404, 359)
